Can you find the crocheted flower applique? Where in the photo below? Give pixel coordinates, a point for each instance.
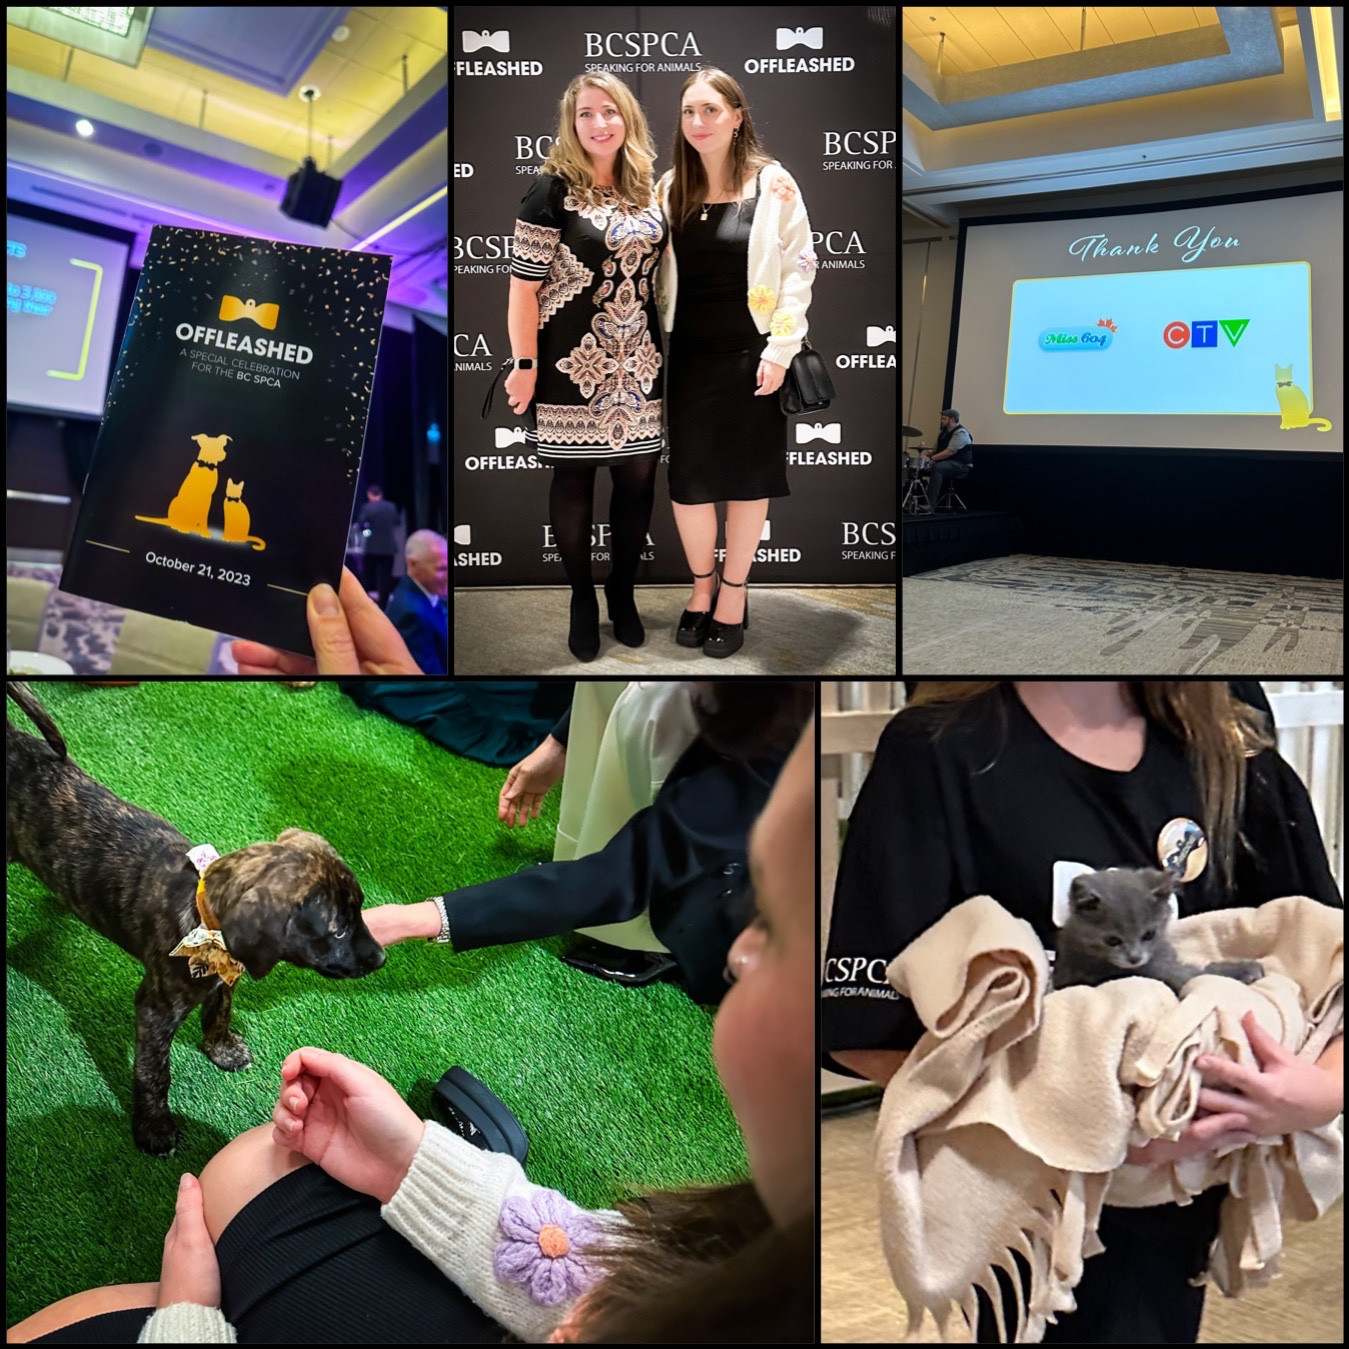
(806, 261)
(762, 299)
(784, 189)
(783, 323)
(543, 1232)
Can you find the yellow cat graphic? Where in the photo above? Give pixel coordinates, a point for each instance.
(236, 517)
(188, 510)
(1293, 405)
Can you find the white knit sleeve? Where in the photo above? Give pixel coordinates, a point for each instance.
(512, 1246)
(187, 1323)
(796, 258)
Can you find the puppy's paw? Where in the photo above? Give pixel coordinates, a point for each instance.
(231, 1054)
(156, 1135)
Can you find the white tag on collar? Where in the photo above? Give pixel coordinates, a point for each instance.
(202, 856)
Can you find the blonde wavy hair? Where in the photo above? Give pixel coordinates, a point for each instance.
(633, 165)
(1219, 733)
(690, 187)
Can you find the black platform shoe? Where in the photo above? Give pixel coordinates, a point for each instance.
(583, 637)
(725, 639)
(623, 615)
(692, 630)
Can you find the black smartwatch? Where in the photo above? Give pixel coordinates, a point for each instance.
(525, 362)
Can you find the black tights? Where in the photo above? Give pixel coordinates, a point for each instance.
(571, 501)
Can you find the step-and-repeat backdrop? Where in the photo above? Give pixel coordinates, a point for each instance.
(823, 102)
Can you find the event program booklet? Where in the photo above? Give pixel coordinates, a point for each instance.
(225, 469)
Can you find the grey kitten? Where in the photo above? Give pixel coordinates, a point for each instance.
(1117, 928)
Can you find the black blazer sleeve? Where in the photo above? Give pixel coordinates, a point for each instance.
(562, 730)
(700, 818)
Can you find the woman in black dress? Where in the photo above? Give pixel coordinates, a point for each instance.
(735, 287)
(585, 339)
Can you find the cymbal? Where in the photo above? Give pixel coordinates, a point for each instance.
(912, 431)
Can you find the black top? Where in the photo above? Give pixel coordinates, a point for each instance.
(989, 808)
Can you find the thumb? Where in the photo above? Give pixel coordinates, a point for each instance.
(377, 638)
(334, 651)
(189, 1204)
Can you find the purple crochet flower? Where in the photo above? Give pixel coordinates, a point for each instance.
(543, 1231)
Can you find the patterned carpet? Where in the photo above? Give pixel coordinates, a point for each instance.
(1024, 615)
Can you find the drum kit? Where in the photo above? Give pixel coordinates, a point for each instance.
(916, 469)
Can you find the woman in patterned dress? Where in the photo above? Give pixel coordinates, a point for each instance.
(734, 290)
(582, 305)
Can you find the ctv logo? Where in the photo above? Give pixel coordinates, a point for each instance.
(1203, 332)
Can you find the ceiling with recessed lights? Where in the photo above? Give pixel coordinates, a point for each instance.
(207, 125)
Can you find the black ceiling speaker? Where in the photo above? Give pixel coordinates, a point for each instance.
(311, 194)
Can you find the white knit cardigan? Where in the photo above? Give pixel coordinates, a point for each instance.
(781, 265)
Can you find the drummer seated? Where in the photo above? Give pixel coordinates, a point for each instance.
(953, 458)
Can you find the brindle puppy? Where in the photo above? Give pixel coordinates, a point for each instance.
(125, 872)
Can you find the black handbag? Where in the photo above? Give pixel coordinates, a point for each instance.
(807, 387)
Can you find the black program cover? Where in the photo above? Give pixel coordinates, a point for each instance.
(225, 468)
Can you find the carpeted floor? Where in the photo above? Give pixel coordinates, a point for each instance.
(615, 1087)
(1024, 615)
(831, 630)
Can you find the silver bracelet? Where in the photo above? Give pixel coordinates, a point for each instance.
(444, 934)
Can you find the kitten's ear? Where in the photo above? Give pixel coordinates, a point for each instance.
(1082, 895)
(1161, 883)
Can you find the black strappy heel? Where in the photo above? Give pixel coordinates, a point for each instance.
(725, 639)
(693, 625)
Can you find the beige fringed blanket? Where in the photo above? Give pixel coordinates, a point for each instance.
(1007, 1126)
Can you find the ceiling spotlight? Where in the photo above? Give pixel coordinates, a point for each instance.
(84, 127)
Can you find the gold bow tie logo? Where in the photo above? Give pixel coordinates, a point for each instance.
(264, 315)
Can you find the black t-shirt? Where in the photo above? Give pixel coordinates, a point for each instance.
(989, 807)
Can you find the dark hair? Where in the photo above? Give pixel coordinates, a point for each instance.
(375, 488)
(752, 719)
(747, 155)
(703, 1266)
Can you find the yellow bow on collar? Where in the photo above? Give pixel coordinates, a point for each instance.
(205, 947)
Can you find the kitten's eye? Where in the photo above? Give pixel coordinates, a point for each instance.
(1112, 941)
(341, 936)
(1148, 936)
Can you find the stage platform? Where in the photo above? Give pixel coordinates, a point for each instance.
(942, 540)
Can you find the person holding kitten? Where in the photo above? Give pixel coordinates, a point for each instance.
(1032, 792)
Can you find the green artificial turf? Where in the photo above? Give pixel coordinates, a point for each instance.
(615, 1086)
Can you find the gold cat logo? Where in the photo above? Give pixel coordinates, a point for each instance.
(264, 315)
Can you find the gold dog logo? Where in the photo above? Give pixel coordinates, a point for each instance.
(264, 315)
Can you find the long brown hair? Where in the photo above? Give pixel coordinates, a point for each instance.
(1219, 733)
(568, 160)
(690, 187)
(703, 1266)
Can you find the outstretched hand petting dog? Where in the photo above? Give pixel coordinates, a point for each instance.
(351, 635)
